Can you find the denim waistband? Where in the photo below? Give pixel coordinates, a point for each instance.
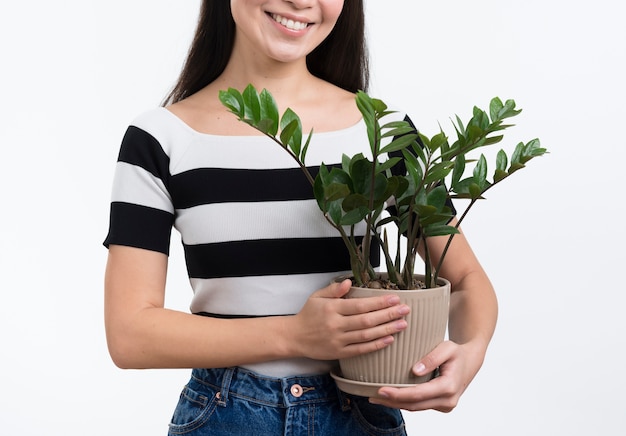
(278, 392)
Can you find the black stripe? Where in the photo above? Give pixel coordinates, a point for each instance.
(139, 226)
(221, 185)
(142, 149)
(270, 257)
(223, 316)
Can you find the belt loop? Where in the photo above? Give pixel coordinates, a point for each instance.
(344, 400)
(227, 378)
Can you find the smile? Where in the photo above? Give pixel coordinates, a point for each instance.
(289, 24)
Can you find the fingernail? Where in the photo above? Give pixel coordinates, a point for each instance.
(404, 310)
(393, 299)
(418, 368)
(401, 324)
(388, 340)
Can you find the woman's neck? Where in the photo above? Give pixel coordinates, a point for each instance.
(288, 82)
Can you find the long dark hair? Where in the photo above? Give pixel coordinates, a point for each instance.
(341, 59)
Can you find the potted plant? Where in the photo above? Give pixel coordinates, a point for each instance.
(418, 176)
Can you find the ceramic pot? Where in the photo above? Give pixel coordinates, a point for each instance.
(426, 329)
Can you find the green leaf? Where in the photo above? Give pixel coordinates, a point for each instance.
(388, 164)
(399, 143)
(346, 162)
(501, 161)
(360, 173)
(397, 131)
(419, 146)
(381, 189)
(336, 191)
(516, 157)
(474, 191)
(392, 185)
(462, 187)
(354, 201)
(499, 175)
(267, 126)
(366, 107)
(425, 211)
(306, 146)
(508, 110)
(252, 104)
(460, 128)
(493, 140)
(286, 135)
(440, 230)
(337, 175)
(318, 187)
(355, 216)
(480, 172)
(438, 172)
(334, 212)
(269, 111)
(459, 169)
(436, 219)
(233, 100)
(413, 167)
(437, 197)
(533, 148)
(437, 142)
(401, 183)
(295, 141)
(514, 167)
(495, 107)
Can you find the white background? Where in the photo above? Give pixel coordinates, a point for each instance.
(75, 73)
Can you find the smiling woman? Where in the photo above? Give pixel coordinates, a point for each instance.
(266, 327)
(281, 31)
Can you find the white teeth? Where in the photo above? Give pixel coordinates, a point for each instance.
(289, 24)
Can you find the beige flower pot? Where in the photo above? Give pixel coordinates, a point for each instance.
(391, 366)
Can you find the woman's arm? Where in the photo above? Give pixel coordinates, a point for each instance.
(473, 315)
(141, 333)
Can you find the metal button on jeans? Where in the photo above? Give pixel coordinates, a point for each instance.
(296, 390)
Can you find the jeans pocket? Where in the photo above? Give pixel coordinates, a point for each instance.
(377, 420)
(193, 410)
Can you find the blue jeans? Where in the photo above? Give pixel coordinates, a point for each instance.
(234, 401)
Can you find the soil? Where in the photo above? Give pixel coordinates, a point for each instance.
(382, 283)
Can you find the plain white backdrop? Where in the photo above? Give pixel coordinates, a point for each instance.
(75, 73)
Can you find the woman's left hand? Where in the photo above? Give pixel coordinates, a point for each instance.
(458, 364)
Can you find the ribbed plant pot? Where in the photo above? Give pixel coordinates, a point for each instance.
(426, 329)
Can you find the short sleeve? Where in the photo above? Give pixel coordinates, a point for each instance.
(141, 213)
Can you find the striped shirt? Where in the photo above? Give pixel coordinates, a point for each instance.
(255, 241)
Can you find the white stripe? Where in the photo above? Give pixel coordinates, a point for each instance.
(222, 222)
(259, 295)
(265, 295)
(189, 149)
(292, 367)
(133, 184)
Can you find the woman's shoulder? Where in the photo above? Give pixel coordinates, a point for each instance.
(159, 127)
(156, 118)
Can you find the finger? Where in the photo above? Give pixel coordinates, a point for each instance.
(386, 320)
(433, 360)
(334, 290)
(375, 333)
(356, 306)
(444, 405)
(435, 394)
(355, 349)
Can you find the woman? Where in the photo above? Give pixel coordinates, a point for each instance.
(265, 328)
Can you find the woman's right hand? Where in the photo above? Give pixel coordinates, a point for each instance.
(330, 327)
